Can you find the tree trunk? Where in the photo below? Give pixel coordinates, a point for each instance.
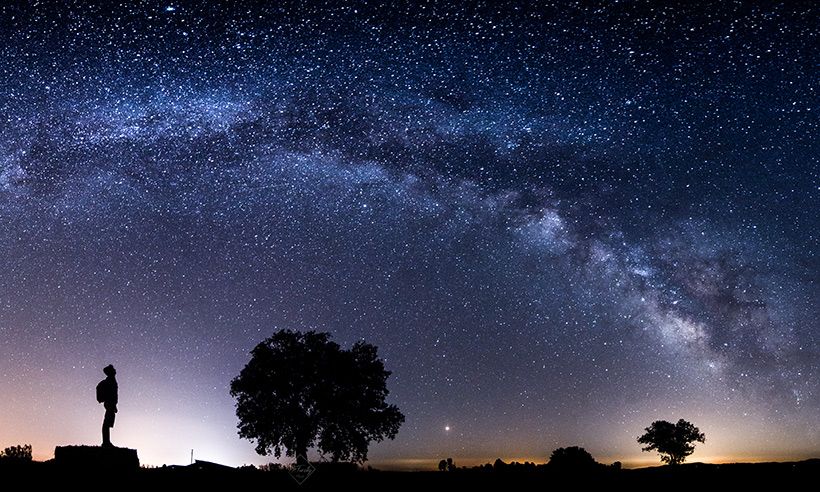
(301, 453)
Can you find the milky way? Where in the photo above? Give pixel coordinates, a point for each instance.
(557, 222)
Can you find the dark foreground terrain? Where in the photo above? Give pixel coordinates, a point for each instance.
(695, 476)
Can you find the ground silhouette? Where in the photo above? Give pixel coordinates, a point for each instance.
(342, 476)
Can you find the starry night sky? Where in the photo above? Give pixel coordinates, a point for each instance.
(558, 223)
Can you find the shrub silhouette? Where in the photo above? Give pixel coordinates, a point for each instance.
(674, 442)
(301, 390)
(571, 458)
(19, 453)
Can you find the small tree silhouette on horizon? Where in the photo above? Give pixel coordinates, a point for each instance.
(301, 390)
(674, 442)
(18, 454)
(572, 457)
(447, 465)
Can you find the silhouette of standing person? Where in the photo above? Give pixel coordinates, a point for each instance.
(107, 395)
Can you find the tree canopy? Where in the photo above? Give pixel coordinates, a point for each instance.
(17, 453)
(302, 391)
(674, 442)
(572, 457)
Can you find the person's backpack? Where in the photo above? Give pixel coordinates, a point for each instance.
(102, 389)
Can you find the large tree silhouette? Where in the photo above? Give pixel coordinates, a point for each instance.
(302, 391)
(674, 442)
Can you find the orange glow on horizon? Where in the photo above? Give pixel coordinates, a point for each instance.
(431, 464)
